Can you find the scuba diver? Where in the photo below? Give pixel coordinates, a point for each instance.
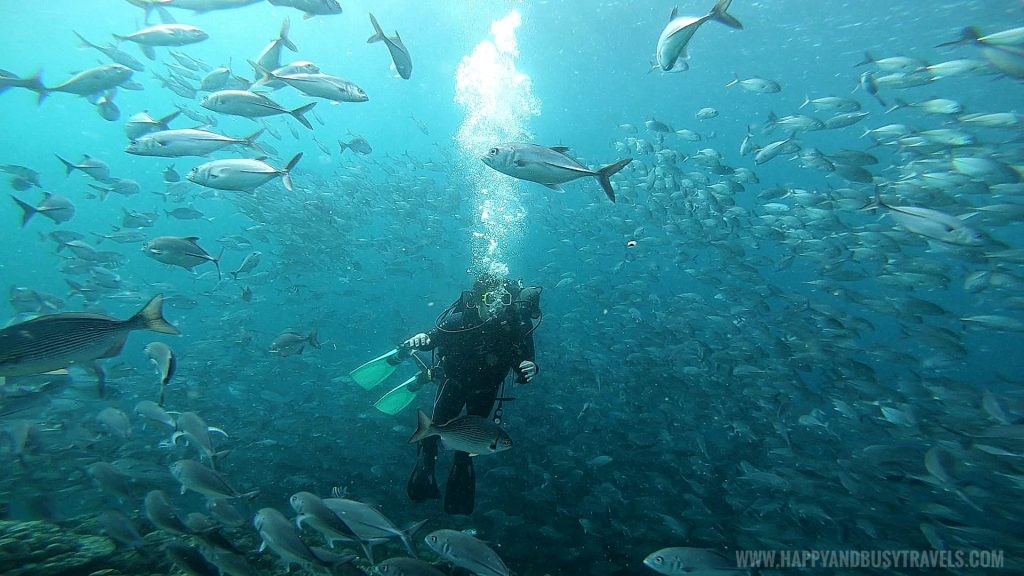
(477, 341)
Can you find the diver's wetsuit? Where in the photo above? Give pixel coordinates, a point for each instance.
(473, 361)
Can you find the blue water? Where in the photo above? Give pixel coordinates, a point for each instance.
(687, 359)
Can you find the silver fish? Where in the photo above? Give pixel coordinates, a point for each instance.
(191, 427)
(472, 434)
(57, 341)
(320, 85)
(114, 53)
(359, 145)
(242, 175)
(270, 57)
(682, 560)
(198, 478)
(186, 142)
(161, 513)
(53, 206)
(166, 35)
(680, 29)
(178, 251)
(290, 343)
(251, 105)
(311, 510)
(370, 525)
(311, 8)
(280, 536)
(91, 81)
(248, 264)
(467, 552)
(152, 411)
(406, 567)
(142, 123)
(399, 53)
(162, 357)
(547, 166)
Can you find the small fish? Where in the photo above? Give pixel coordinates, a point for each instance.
(465, 551)
(407, 567)
(106, 107)
(152, 411)
(162, 357)
(291, 343)
(757, 85)
(178, 251)
(680, 29)
(312, 511)
(57, 341)
(248, 264)
(186, 142)
(115, 422)
(682, 560)
(399, 53)
(189, 559)
(243, 175)
(164, 35)
(171, 175)
(706, 114)
(161, 513)
(142, 123)
(55, 207)
(193, 428)
(547, 166)
(283, 539)
(358, 144)
(319, 85)
(198, 478)
(311, 8)
(369, 524)
(185, 213)
(471, 434)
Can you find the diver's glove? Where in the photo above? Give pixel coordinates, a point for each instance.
(527, 370)
(417, 341)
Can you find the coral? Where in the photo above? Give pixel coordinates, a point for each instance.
(44, 549)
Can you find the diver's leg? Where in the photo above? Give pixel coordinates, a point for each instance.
(422, 483)
(460, 491)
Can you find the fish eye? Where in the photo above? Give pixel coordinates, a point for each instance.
(432, 538)
(493, 152)
(659, 559)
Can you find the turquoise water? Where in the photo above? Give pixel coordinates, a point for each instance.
(788, 334)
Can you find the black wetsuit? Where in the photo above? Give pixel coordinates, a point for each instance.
(473, 359)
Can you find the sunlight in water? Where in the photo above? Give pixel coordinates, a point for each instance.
(499, 101)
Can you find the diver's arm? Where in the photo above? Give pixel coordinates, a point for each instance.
(423, 341)
(524, 363)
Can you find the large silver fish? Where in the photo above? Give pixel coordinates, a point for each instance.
(311, 8)
(242, 174)
(547, 166)
(54, 206)
(399, 53)
(186, 142)
(91, 81)
(680, 29)
(282, 537)
(178, 251)
(251, 105)
(467, 552)
(57, 341)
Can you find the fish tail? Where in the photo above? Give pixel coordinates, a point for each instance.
(28, 209)
(735, 80)
(967, 35)
(424, 428)
(283, 37)
(314, 340)
(868, 59)
(604, 176)
(35, 83)
(899, 104)
(344, 146)
(807, 100)
(68, 166)
(163, 122)
(103, 191)
(299, 112)
(407, 533)
(719, 12)
(85, 43)
(151, 317)
(287, 178)
(216, 262)
(378, 33)
(250, 140)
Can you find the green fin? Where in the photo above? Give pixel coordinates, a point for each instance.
(397, 399)
(375, 371)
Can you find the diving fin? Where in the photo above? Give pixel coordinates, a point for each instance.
(460, 490)
(375, 371)
(398, 398)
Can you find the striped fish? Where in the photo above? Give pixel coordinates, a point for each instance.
(56, 341)
(472, 434)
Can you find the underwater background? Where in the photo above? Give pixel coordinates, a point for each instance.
(735, 354)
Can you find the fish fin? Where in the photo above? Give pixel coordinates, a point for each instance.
(604, 176)
(218, 430)
(166, 119)
(192, 239)
(719, 12)
(424, 428)
(85, 43)
(28, 209)
(148, 51)
(283, 37)
(151, 317)
(175, 436)
(736, 80)
(554, 187)
(287, 178)
(560, 149)
(313, 340)
(68, 166)
(378, 33)
(114, 350)
(298, 114)
(250, 140)
(868, 59)
(674, 14)
(57, 372)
